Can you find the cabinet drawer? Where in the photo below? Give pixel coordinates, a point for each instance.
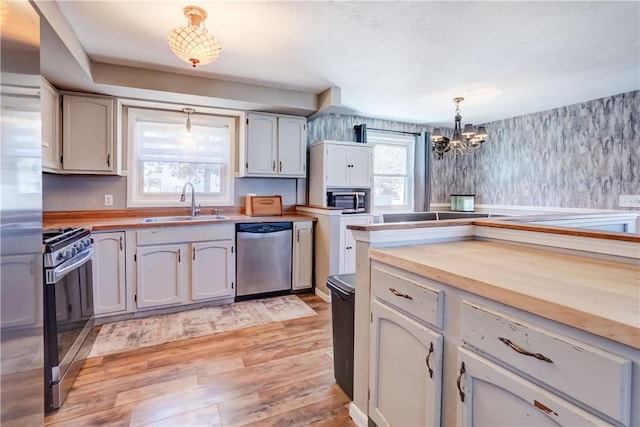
(181, 234)
(412, 297)
(599, 379)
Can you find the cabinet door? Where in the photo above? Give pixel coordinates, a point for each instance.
(337, 165)
(21, 291)
(302, 255)
(88, 134)
(160, 275)
(292, 146)
(348, 243)
(361, 170)
(405, 371)
(261, 144)
(212, 270)
(490, 395)
(50, 104)
(109, 290)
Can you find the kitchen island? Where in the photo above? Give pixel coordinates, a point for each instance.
(445, 292)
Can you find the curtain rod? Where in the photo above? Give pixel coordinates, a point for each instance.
(392, 131)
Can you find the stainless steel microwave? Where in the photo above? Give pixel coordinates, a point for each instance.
(349, 201)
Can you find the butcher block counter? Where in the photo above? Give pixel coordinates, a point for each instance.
(133, 218)
(598, 296)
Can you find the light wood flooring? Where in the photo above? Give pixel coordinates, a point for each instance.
(277, 374)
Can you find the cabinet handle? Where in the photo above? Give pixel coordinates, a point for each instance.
(280, 166)
(121, 243)
(194, 254)
(427, 360)
(179, 255)
(462, 371)
(273, 166)
(109, 160)
(298, 236)
(399, 294)
(514, 347)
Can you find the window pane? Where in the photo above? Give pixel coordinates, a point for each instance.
(389, 191)
(170, 177)
(390, 159)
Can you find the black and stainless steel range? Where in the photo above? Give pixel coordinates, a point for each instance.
(68, 309)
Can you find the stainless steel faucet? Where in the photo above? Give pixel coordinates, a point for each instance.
(194, 211)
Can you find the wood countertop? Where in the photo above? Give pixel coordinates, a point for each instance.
(598, 296)
(120, 220)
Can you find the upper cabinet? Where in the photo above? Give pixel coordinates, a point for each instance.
(275, 146)
(338, 164)
(90, 140)
(50, 107)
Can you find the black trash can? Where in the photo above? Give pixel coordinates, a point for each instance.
(343, 289)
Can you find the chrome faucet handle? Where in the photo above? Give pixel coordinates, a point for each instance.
(216, 211)
(197, 210)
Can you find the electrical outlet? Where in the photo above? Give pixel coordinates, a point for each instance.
(108, 199)
(629, 201)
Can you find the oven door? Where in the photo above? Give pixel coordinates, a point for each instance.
(69, 322)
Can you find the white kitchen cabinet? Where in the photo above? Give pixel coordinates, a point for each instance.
(405, 370)
(275, 146)
(184, 265)
(489, 395)
(349, 165)
(160, 275)
(109, 283)
(213, 266)
(302, 255)
(90, 140)
(339, 165)
(348, 243)
(50, 110)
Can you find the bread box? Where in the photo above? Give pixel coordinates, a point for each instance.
(263, 205)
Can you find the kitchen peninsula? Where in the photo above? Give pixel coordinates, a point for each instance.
(454, 318)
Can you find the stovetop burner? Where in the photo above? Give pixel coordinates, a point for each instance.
(62, 244)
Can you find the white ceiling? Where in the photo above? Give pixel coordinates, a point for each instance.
(397, 60)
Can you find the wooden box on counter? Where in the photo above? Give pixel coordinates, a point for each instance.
(263, 205)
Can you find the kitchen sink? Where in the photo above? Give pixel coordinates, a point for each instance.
(184, 218)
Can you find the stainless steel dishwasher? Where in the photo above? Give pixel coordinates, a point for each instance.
(263, 258)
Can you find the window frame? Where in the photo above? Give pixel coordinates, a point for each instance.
(390, 139)
(153, 110)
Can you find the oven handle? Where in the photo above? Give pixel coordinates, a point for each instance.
(75, 262)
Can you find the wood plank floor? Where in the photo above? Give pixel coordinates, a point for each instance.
(277, 374)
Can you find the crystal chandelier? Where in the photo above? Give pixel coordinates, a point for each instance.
(464, 141)
(193, 43)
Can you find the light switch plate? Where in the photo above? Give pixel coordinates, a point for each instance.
(629, 201)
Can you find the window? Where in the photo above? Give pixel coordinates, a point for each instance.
(163, 157)
(393, 158)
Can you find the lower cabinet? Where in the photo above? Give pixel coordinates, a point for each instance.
(405, 370)
(302, 268)
(490, 395)
(502, 367)
(108, 267)
(348, 243)
(184, 265)
(213, 266)
(160, 275)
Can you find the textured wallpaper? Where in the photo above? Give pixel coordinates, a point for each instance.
(579, 156)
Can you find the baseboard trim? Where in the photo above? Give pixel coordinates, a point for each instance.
(358, 417)
(324, 297)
